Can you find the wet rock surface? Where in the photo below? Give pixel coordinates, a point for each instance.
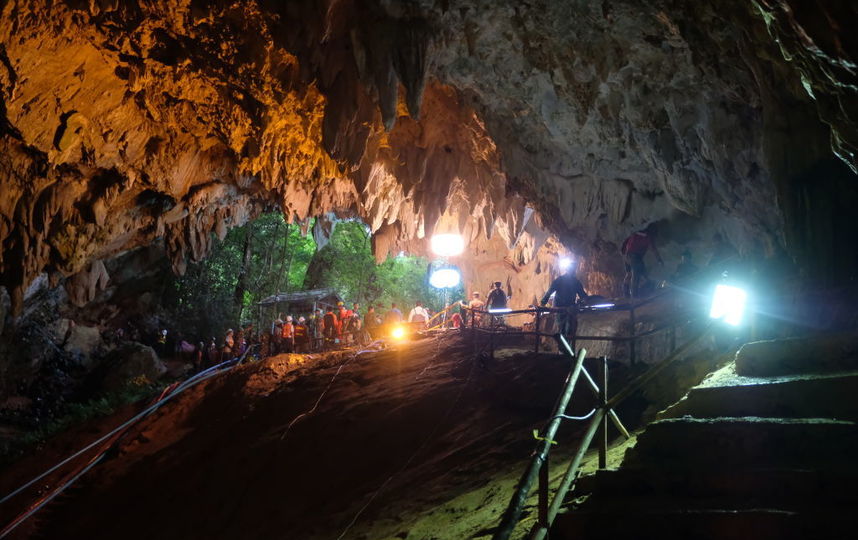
(132, 123)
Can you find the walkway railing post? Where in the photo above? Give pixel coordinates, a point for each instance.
(543, 493)
(603, 399)
(538, 337)
(540, 458)
(474, 328)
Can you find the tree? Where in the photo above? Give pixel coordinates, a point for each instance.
(269, 256)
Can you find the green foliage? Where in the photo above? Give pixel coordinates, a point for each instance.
(347, 264)
(78, 413)
(203, 299)
(282, 260)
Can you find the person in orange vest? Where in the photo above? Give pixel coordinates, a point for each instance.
(329, 327)
(341, 313)
(288, 335)
(302, 336)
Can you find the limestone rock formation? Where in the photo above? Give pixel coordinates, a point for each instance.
(124, 124)
(129, 362)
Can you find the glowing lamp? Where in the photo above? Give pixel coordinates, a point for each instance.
(398, 332)
(444, 278)
(447, 245)
(565, 263)
(728, 304)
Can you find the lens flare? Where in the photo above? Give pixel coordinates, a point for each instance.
(565, 263)
(447, 245)
(398, 332)
(728, 304)
(444, 278)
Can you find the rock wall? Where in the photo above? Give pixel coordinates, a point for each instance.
(127, 123)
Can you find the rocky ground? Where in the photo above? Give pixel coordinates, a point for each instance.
(422, 440)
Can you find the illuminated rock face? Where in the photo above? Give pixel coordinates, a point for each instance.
(128, 123)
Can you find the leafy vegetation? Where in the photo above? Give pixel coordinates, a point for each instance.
(77, 413)
(268, 256)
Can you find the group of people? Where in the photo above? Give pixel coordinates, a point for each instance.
(316, 331)
(336, 325)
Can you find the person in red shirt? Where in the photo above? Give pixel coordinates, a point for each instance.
(633, 249)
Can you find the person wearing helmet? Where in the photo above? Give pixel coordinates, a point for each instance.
(302, 336)
(288, 335)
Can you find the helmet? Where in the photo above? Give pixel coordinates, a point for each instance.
(301, 319)
(340, 304)
(288, 318)
(163, 332)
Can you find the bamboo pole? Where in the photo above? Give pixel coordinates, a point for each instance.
(516, 504)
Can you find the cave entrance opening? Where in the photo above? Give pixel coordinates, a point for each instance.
(269, 257)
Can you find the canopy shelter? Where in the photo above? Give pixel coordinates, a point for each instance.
(302, 301)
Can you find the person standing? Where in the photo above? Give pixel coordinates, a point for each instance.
(476, 307)
(288, 335)
(302, 335)
(211, 353)
(277, 337)
(329, 326)
(371, 322)
(418, 314)
(317, 330)
(567, 289)
(634, 249)
(497, 299)
(228, 346)
(393, 315)
(343, 316)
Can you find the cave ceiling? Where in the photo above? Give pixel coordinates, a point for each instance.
(527, 125)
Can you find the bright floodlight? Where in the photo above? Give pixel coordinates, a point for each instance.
(728, 304)
(447, 245)
(398, 332)
(565, 263)
(444, 278)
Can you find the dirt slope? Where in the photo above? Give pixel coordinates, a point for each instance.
(427, 420)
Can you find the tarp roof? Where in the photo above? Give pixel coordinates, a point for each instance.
(313, 295)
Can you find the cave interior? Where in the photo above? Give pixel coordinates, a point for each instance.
(135, 134)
